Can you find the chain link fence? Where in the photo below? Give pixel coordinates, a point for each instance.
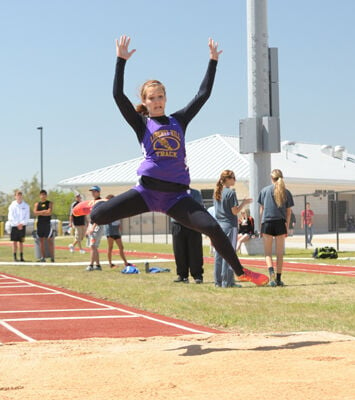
(334, 220)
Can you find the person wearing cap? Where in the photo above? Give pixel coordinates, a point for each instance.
(94, 233)
(79, 224)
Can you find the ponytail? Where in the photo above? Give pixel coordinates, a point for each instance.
(226, 174)
(142, 109)
(280, 187)
(218, 190)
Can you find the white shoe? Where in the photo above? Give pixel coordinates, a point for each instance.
(82, 251)
(71, 248)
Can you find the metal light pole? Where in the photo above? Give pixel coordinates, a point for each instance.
(40, 128)
(259, 134)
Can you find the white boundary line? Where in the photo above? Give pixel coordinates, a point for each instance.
(134, 314)
(16, 331)
(27, 294)
(69, 318)
(16, 285)
(78, 263)
(56, 310)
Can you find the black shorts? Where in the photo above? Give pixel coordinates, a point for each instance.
(44, 231)
(275, 227)
(18, 235)
(114, 237)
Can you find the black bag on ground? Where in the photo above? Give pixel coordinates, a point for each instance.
(325, 252)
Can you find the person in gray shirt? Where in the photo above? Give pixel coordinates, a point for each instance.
(275, 214)
(226, 208)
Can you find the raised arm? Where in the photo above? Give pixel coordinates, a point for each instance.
(122, 47)
(214, 53)
(123, 103)
(185, 115)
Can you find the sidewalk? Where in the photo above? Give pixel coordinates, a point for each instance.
(346, 241)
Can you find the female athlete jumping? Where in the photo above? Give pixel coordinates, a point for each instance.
(164, 176)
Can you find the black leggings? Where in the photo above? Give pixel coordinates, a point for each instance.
(186, 211)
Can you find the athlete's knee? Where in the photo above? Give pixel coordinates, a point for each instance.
(212, 229)
(98, 214)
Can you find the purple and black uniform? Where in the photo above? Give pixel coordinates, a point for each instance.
(164, 176)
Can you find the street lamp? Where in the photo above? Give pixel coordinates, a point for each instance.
(40, 128)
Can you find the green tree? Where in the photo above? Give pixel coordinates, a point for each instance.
(30, 189)
(5, 200)
(61, 203)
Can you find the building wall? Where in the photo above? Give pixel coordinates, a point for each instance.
(149, 222)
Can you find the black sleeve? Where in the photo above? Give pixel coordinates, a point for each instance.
(185, 115)
(127, 109)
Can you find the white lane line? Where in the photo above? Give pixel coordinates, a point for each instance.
(67, 294)
(27, 294)
(12, 286)
(56, 310)
(69, 318)
(54, 264)
(16, 331)
(175, 325)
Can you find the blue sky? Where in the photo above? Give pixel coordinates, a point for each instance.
(57, 63)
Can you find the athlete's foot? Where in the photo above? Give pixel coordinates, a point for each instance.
(254, 277)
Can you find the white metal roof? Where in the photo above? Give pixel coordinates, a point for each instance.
(207, 157)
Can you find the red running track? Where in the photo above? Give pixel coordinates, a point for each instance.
(31, 311)
(296, 266)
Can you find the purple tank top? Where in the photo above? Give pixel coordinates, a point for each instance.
(163, 147)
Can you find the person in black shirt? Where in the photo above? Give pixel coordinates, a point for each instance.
(43, 211)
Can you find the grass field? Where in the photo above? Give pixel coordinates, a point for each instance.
(309, 301)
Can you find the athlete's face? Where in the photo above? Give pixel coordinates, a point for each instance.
(155, 100)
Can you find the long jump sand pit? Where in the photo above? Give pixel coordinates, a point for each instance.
(310, 366)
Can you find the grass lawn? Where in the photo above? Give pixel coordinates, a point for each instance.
(308, 302)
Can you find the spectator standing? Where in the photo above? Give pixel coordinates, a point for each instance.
(94, 232)
(245, 228)
(307, 222)
(188, 250)
(113, 235)
(43, 211)
(275, 214)
(18, 216)
(226, 210)
(79, 225)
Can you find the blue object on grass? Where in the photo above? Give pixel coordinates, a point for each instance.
(155, 270)
(130, 269)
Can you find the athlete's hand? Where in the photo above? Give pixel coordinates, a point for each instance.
(122, 47)
(214, 53)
